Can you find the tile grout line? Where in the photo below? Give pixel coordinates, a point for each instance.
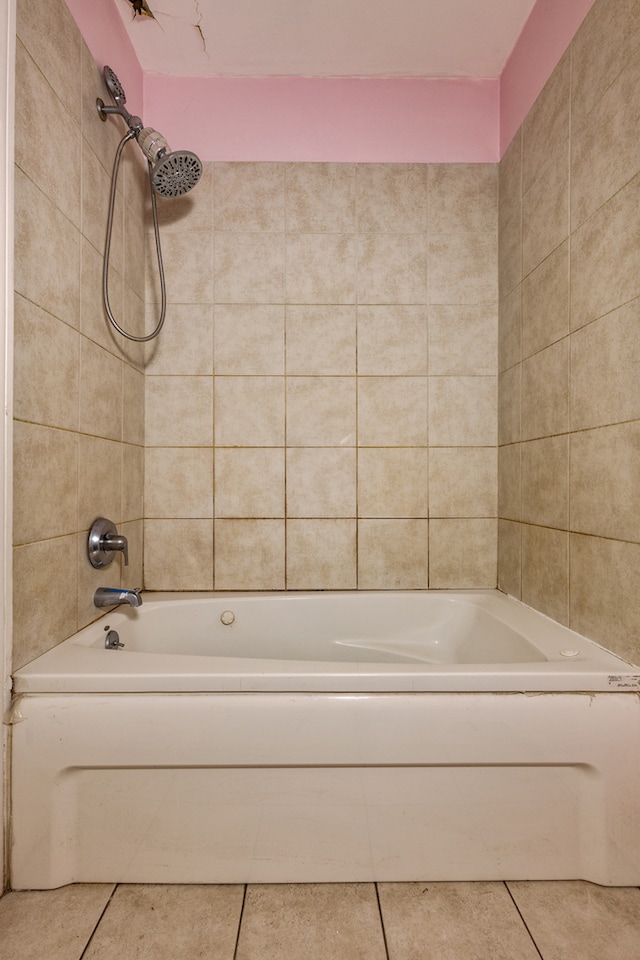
(513, 900)
(237, 943)
(98, 921)
(384, 933)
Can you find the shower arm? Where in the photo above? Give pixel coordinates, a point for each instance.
(132, 132)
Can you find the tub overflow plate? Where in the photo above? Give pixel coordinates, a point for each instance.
(227, 617)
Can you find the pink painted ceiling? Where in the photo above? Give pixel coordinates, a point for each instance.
(334, 38)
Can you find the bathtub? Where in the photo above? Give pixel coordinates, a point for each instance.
(261, 738)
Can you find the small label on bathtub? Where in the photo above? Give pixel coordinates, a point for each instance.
(625, 683)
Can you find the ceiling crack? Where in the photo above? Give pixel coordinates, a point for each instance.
(198, 27)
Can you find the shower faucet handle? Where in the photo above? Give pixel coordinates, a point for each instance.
(105, 542)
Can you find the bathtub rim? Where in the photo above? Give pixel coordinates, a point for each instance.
(73, 666)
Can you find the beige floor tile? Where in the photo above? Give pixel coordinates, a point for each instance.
(338, 921)
(574, 919)
(157, 922)
(453, 921)
(55, 924)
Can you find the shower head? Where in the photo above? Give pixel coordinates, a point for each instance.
(114, 86)
(172, 174)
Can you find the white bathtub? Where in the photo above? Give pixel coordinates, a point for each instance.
(326, 737)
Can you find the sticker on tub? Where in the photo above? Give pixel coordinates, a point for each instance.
(625, 683)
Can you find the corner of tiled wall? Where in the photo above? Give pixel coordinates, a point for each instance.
(569, 269)
(321, 406)
(79, 390)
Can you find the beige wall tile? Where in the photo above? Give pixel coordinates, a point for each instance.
(463, 198)
(510, 482)
(249, 555)
(545, 392)
(321, 482)
(392, 197)
(392, 341)
(510, 405)
(462, 411)
(510, 181)
(178, 482)
(44, 596)
(248, 197)
(95, 191)
(49, 33)
(132, 482)
(607, 38)
(320, 268)
(605, 359)
(249, 339)
(604, 146)
(545, 209)
(133, 405)
(605, 495)
(545, 302)
(100, 391)
(248, 268)
(392, 268)
(546, 126)
(99, 480)
(320, 197)
(249, 483)
(462, 553)
(510, 266)
(605, 257)
(462, 268)
(133, 574)
(545, 481)
(187, 259)
(92, 317)
(392, 554)
(510, 330)
(249, 411)
(47, 351)
(41, 156)
(545, 571)
(510, 558)
(44, 499)
(185, 346)
(321, 411)
(321, 555)
(178, 412)
(604, 600)
(463, 340)
(392, 411)
(393, 482)
(45, 273)
(320, 340)
(135, 180)
(188, 565)
(463, 482)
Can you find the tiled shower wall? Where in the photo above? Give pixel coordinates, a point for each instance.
(79, 391)
(570, 339)
(321, 408)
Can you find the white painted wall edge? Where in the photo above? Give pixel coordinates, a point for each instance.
(7, 115)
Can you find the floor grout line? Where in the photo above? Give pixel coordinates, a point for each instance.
(526, 926)
(244, 898)
(384, 932)
(98, 922)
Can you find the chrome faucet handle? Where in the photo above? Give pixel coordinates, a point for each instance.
(104, 542)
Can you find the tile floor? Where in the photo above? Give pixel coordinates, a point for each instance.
(359, 921)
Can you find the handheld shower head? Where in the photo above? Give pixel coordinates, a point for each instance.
(114, 86)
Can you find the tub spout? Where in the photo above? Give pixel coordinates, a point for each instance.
(113, 597)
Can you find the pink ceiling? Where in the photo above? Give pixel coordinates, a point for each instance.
(394, 80)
